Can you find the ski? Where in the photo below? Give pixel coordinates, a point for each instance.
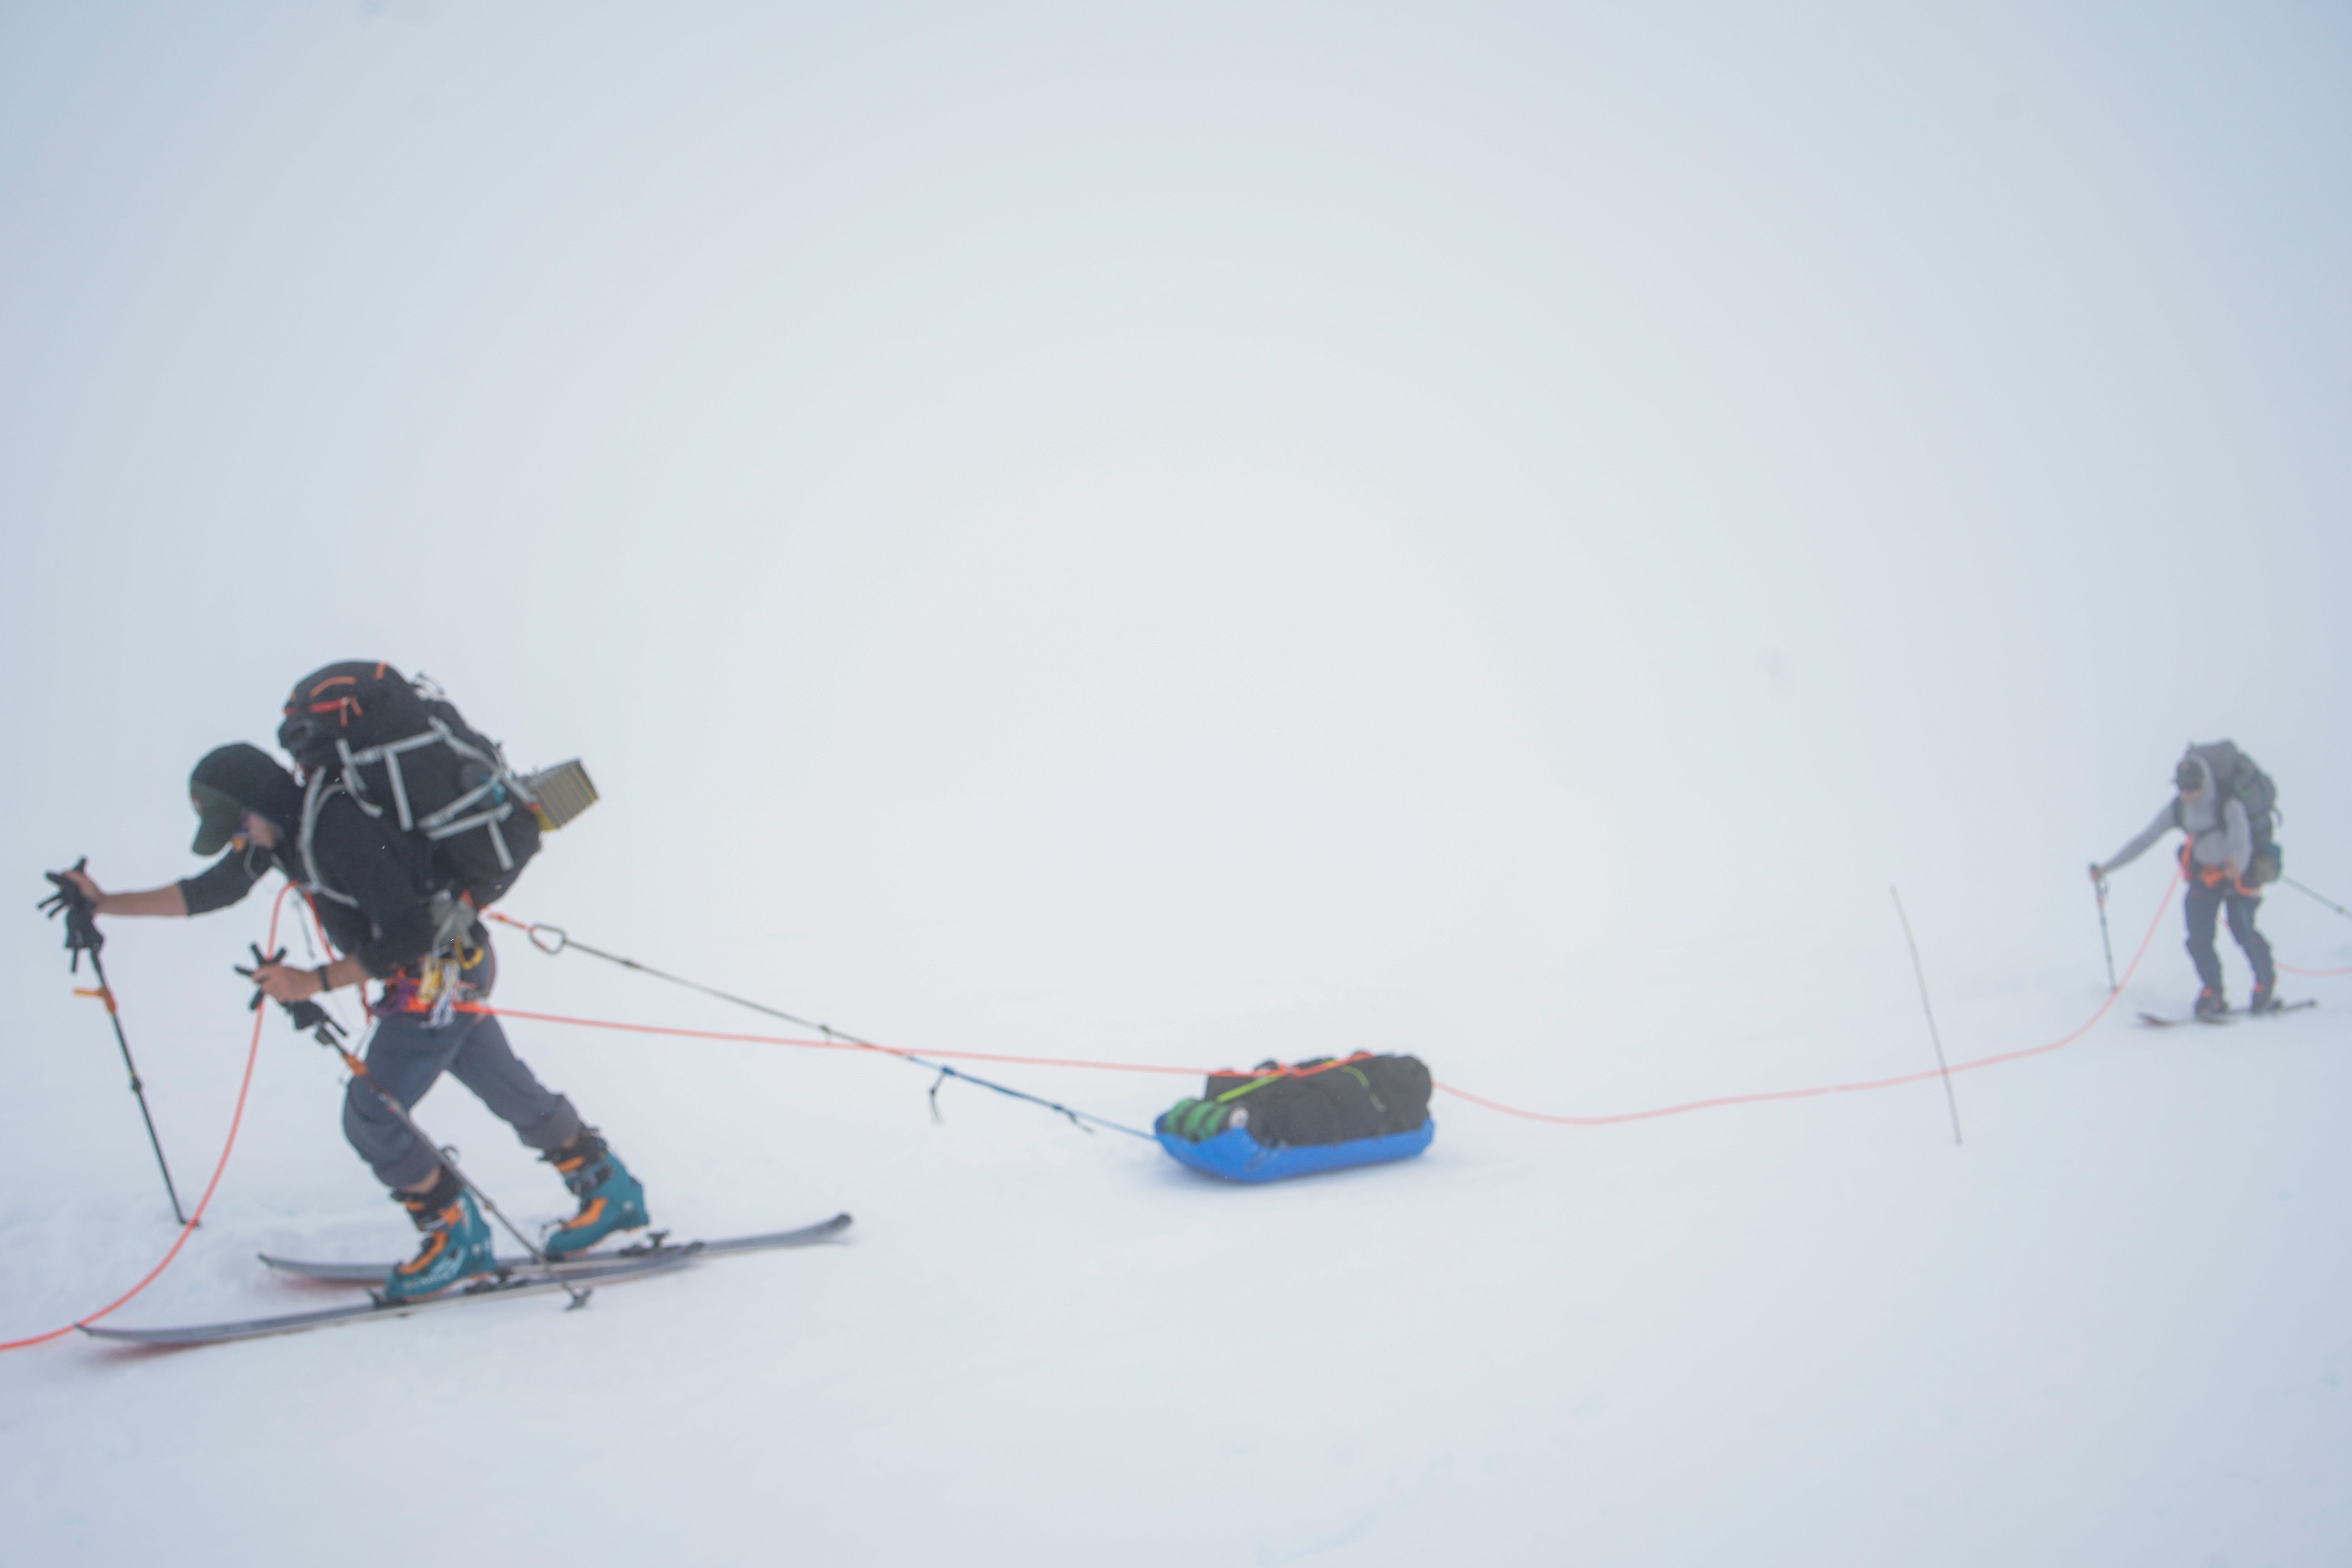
(2235, 1014)
(491, 1288)
(653, 1249)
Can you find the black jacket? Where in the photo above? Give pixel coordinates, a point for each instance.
(388, 874)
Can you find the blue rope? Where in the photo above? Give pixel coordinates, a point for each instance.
(1078, 1119)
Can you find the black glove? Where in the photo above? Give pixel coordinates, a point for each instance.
(82, 935)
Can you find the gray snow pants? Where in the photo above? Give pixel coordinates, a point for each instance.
(2201, 904)
(405, 1056)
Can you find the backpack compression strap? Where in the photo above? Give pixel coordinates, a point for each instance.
(500, 790)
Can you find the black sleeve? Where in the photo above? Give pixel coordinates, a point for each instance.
(383, 869)
(225, 881)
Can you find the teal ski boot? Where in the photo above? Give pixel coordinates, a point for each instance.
(609, 1198)
(457, 1243)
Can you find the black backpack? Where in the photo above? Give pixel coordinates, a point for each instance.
(1314, 1102)
(399, 746)
(2236, 773)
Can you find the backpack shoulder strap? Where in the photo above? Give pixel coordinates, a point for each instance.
(322, 789)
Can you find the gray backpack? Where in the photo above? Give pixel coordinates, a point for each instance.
(2236, 773)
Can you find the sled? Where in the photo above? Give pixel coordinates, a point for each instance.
(1235, 1156)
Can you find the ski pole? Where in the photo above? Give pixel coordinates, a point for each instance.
(448, 1157)
(327, 1032)
(562, 941)
(105, 994)
(82, 936)
(2099, 886)
(2331, 903)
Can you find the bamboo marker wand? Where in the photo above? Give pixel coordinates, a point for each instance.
(1933, 1033)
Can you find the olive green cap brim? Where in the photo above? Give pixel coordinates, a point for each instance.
(218, 818)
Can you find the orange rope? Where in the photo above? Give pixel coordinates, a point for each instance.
(252, 1051)
(839, 1044)
(2312, 973)
(236, 1118)
(842, 1045)
(832, 1045)
(1921, 1077)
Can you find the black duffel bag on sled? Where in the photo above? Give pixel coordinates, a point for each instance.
(1320, 1115)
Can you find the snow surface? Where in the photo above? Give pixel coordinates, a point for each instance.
(1182, 537)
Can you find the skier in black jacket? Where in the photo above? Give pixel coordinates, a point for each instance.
(396, 921)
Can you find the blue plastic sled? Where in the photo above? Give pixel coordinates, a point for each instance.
(1238, 1157)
